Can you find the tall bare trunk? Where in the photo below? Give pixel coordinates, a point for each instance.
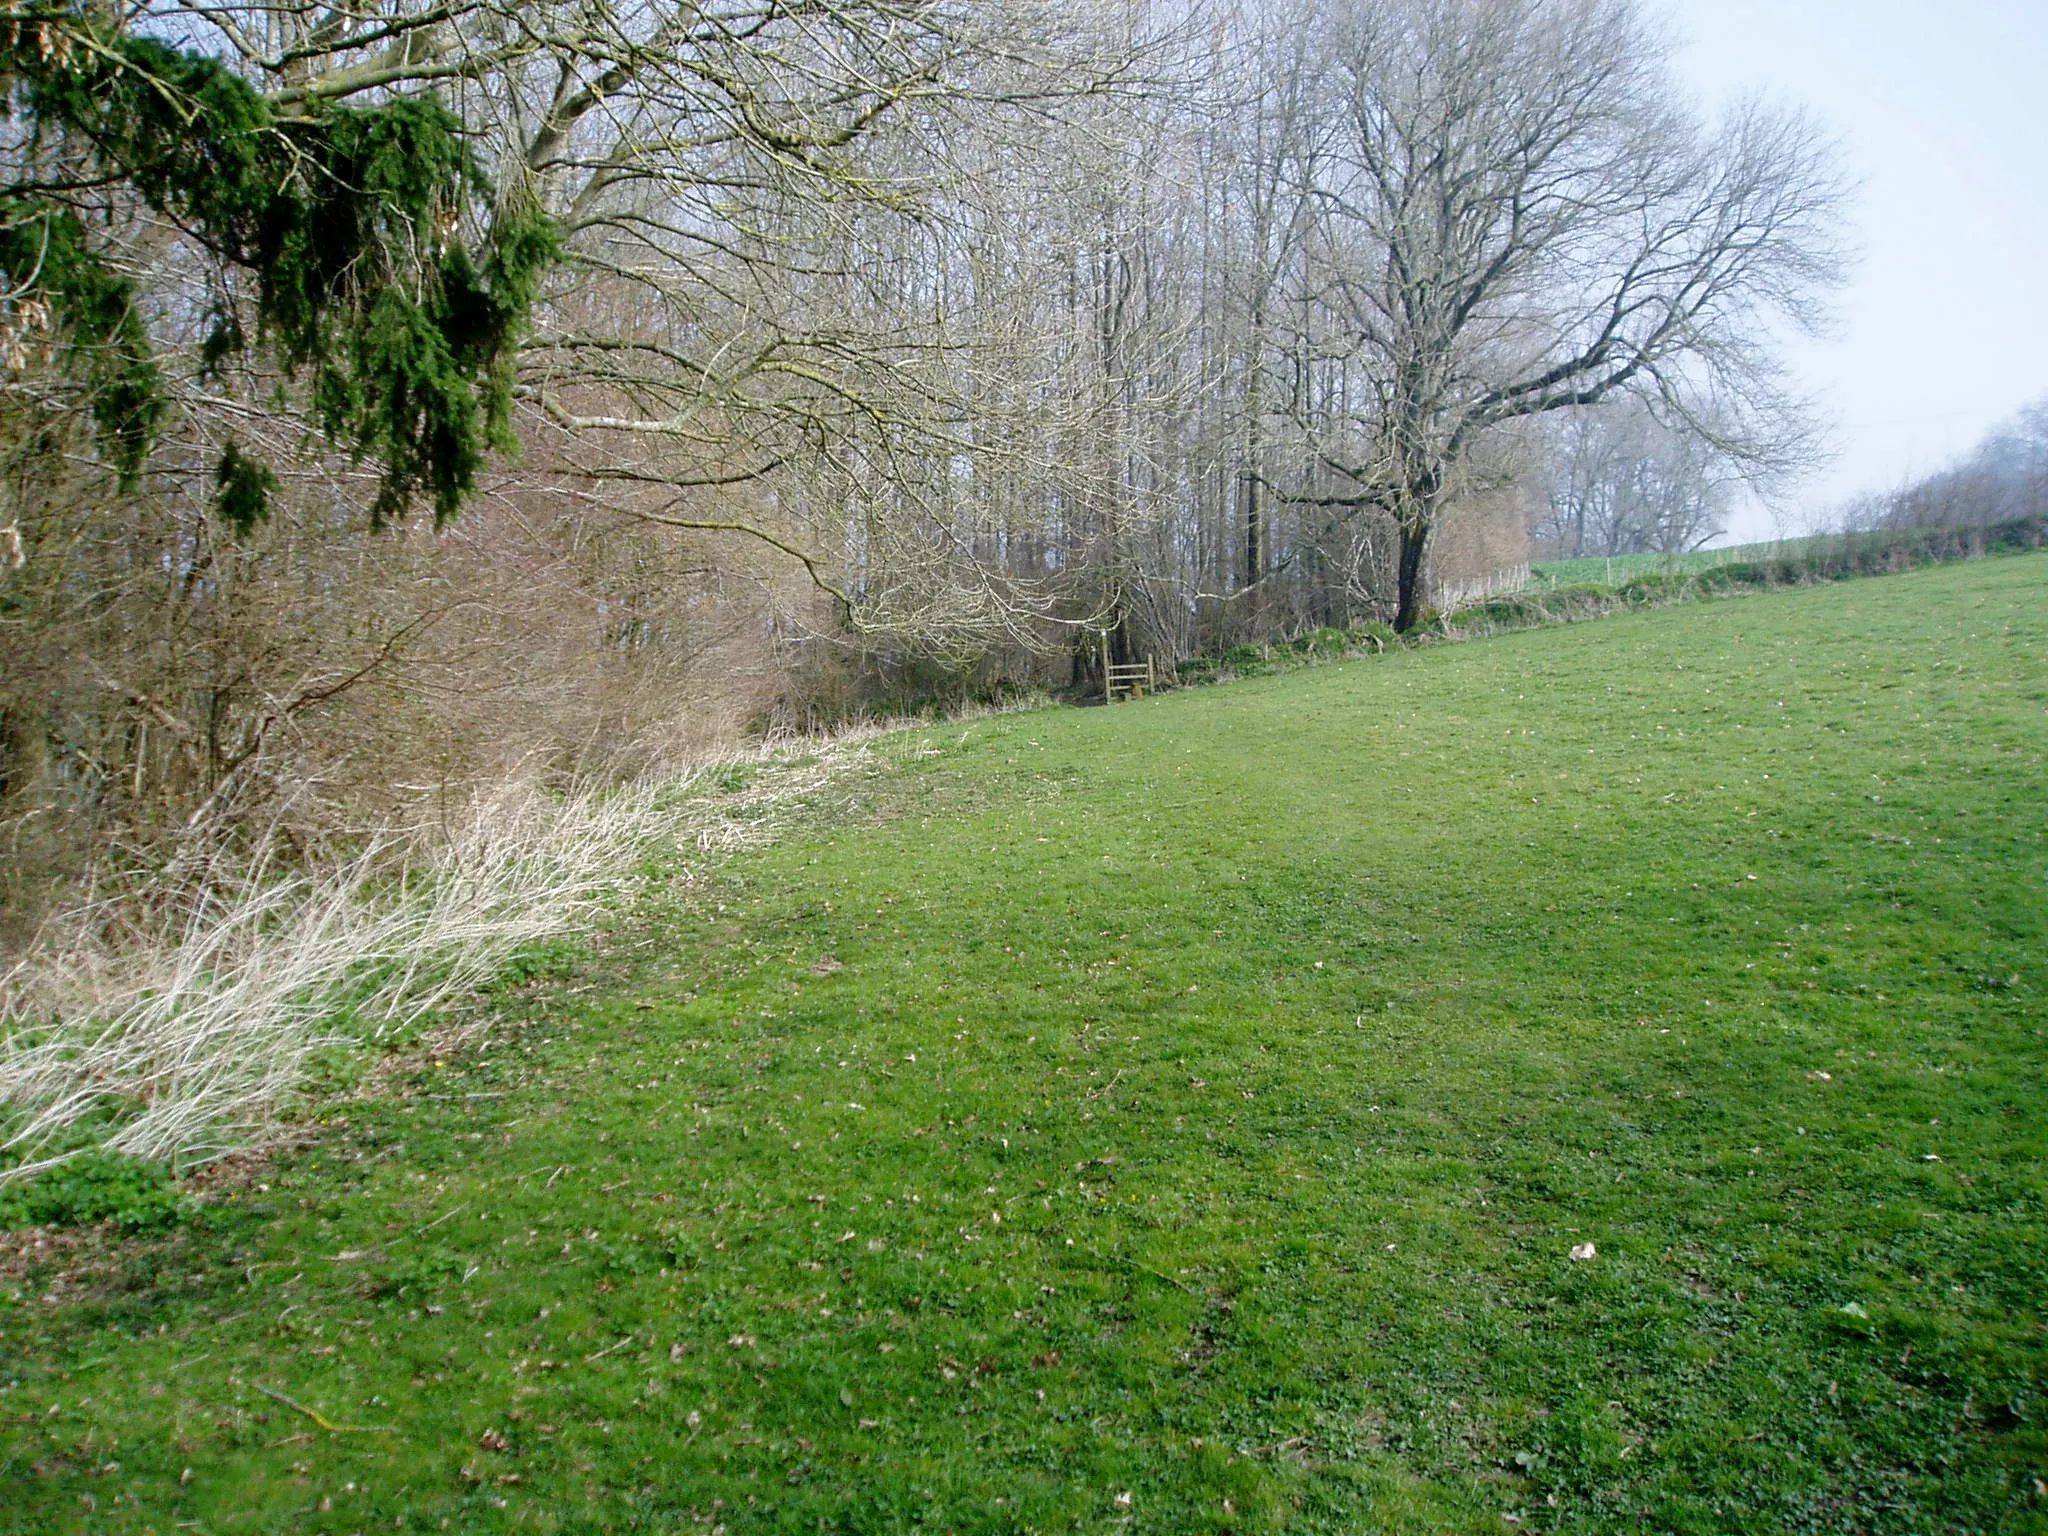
(1414, 541)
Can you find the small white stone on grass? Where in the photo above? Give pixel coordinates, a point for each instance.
(1583, 1251)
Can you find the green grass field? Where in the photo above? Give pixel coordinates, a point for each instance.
(1612, 570)
(1178, 1119)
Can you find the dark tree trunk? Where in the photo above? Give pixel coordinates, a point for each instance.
(1252, 560)
(1408, 576)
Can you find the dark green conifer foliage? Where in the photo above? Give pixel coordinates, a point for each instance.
(348, 219)
(242, 489)
(45, 254)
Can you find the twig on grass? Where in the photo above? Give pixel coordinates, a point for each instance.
(444, 1216)
(321, 1419)
(1108, 1087)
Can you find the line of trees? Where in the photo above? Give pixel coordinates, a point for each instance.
(1623, 482)
(2003, 478)
(767, 356)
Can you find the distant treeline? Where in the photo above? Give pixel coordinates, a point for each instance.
(1798, 562)
(2003, 480)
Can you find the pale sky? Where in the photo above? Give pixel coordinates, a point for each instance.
(1941, 107)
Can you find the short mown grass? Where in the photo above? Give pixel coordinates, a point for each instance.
(1178, 1118)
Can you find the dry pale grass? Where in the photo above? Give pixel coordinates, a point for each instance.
(177, 1033)
(176, 1029)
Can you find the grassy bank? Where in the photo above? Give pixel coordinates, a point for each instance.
(1819, 556)
(1614, 570)
(1180, 1118)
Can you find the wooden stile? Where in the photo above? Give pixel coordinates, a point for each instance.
(1132, 679)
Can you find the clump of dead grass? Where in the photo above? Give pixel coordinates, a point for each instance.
(173, 1027)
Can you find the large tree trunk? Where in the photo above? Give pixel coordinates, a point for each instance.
(1414, 538)
(1254, 561)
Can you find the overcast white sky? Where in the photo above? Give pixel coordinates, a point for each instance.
(1942, 110)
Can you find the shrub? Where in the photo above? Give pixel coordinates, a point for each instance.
(1505, 611)
(1322, 642)
(1197, 669)
(1373, 633)
(1650, 586)
(2019, 534)
(1736, 573)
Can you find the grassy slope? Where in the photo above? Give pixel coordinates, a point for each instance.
(1620, 568)
(1295, 1031)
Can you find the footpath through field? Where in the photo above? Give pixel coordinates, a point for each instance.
(1183, 1118)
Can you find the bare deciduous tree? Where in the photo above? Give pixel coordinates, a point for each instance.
(1619, 481)
(1516, 218)
(895, 347)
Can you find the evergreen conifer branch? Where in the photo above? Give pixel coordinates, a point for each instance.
(349, 217)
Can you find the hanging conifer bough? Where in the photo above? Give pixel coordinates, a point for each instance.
(347, 217)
